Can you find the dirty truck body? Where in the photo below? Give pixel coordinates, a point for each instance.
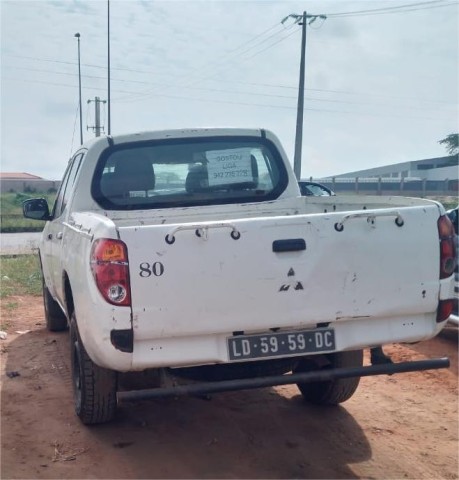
(190, 257)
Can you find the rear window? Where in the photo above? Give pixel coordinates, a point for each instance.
(145, 175)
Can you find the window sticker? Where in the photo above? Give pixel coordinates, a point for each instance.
(229, 166)
(137, 193)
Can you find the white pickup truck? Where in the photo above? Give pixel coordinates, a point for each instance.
(187, 262)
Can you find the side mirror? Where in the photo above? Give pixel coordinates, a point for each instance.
(36, 209)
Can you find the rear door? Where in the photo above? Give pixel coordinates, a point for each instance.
(290, 271)
(54, 231)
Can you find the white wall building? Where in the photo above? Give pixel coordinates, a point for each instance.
(442, 168)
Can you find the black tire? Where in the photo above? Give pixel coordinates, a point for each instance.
(56, 321)
(330, 392)
(94, 387)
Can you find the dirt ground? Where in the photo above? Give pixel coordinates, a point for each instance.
(401, 426)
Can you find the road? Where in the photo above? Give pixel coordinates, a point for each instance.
(403, 426)
(17, 243)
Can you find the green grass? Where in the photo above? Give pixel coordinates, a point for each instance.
(11, 218)
(20, 275)
(450, 204)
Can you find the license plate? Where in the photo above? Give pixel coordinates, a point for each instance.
(245, 347)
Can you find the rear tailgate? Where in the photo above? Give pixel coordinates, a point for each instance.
(208, 281)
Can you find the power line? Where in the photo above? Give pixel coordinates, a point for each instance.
(221, 65)
(139, 95)
(149, 72)
(401, 11)
(341, 92)
(398, 9)
(383, 9)
(222, 80)
(282, 107)
(183, 97)
(146, 72)
(428, 4)
(272, 45)
(264, 40)
(285, 107)
(338, 15)
(279, 86)
(74, 128)
(227, 67)
(242, 45)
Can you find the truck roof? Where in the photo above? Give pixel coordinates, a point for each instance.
(178, 133)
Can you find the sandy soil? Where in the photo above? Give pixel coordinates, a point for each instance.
(402, 426)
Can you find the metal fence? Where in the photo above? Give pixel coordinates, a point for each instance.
(391, 186)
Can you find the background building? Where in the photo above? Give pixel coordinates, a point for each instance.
(442, 168)
(429, 177)
(26, 182)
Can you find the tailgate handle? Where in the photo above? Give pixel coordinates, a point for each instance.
(201, 231)
(371, 218)
(289, 245)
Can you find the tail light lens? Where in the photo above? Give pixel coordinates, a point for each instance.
(445, 309)
(110, 268)
(447, 246)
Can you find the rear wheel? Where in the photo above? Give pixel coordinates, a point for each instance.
(94, 387)
(56, 320)
(331, 392)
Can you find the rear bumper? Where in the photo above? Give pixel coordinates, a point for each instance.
(186, 351)
(350, 334)
(271, 381)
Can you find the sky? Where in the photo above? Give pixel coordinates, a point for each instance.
(381, 77)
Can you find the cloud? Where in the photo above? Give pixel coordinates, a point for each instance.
(379, 87)
(73, 6)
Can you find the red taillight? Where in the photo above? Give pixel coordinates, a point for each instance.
(447, 247)
(445, 309)
(110, 268)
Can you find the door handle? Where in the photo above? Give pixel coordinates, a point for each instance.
(50, 236)
(289, 245)
(59, 236)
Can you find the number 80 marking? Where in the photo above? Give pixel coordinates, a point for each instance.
(147, 270)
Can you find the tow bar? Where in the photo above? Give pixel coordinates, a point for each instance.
(203, 388)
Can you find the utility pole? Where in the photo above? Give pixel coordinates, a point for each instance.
(300, 108)
(301, 20)
(77, 35)
(97, 127)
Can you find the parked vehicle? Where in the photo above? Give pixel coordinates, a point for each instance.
(314, 189)
(453, 215)
(186, 261)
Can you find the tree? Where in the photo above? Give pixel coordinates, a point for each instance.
(451, 143)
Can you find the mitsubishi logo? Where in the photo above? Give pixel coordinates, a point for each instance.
(293, 284)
